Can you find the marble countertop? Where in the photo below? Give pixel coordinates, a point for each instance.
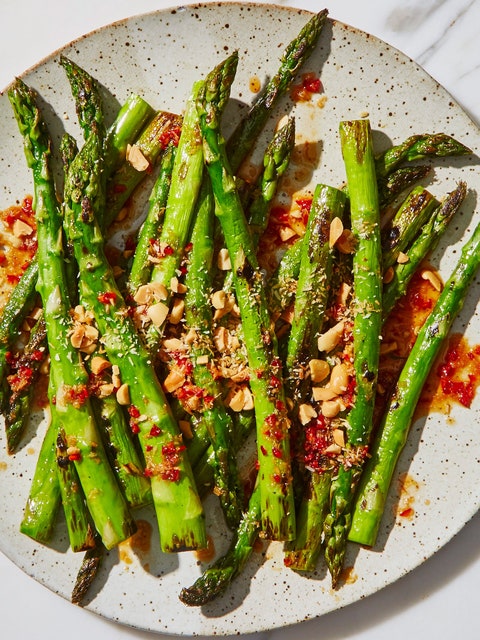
(437, 600)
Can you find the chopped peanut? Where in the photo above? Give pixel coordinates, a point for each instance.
(433, 278)
(21, 229)
(331, 338)
(330, 408)
(336, 230)
(99, 365)
(123, 395)
(306, 412)
(223, 261)
(176, 314)
(158, 313)
(136, 158)
(173, 381)
(319, 369)
(388, 275)
(338, 378)
(321, 394)
(346, 243)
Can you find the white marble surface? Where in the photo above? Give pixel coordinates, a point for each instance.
(438, 600)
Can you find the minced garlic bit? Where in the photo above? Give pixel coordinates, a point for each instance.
(402, 258)
(136, 158)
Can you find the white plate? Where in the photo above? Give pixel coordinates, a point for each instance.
(159, 55)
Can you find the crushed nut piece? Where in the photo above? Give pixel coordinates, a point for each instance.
(158, 313)
(433, 278)
(319, 369)
(173, 381)
(223, 261)
(99, 365)
(123, 395)
(331, 338)
(306, 412)
(336, 230)
(136, 158)
(402, 258)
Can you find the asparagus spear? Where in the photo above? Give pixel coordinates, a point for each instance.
(179, 510)
(418, 147)
(423, 244)
(275, 162)
(17, 307)
(22, 385)
(391, 437)
(356, 143)
(313, 282)
(295, 55)
(278, 518)
(87, 572)
(106, 504)
(198, 316)
(216, 579)
(313, 293)
(185, 185)
(142, 265)
(415, 210)
(44, 497)
(155, 137)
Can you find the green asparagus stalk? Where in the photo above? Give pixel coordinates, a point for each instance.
(216, 579)
(278, 517)
(142, 265)
(155, 137)
(313, 282)
(178, 507)
(105, 502)
(122, 450)
(80, 532)
(44, 497)
(302, 553)
(88, 570)
(427, 240)
(87, 97)
(275, 162)
(131, 119)
(356, 143)
(401, 179)
(199, 318)
(391, 437)
(27, 371)
(415, 210)
(185, 186)
(313, 293)
(418, 147)
(295, 55)
(16, 309)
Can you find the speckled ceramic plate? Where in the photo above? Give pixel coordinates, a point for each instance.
(159, 55)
